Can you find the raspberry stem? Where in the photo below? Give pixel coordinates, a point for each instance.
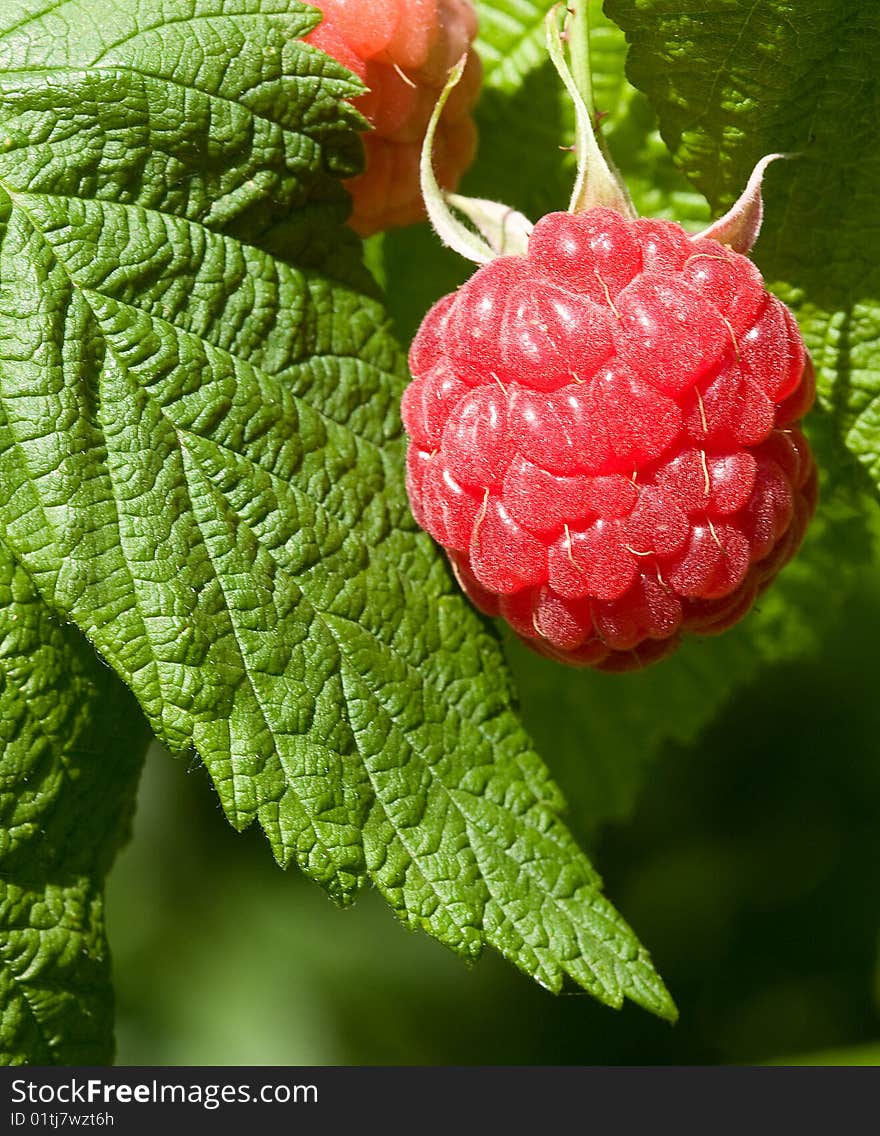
(578, 39)
(597, 181)
(501, 231)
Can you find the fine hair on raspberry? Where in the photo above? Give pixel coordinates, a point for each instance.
(604, 437)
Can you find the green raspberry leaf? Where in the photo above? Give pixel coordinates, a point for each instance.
(72, 745)
(201, 465)
(732, 81)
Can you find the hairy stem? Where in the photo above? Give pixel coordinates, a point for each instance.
(578, 36)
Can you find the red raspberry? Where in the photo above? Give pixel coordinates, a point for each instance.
(403, 50)
(604, 437)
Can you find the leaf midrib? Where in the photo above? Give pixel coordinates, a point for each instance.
(348, 90)
(245, 658)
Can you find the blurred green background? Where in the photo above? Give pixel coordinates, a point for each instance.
(748, 864)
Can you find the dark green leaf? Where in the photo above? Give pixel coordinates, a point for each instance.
(72, 744)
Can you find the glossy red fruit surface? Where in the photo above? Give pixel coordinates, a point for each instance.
(403, 50)
(604, 437)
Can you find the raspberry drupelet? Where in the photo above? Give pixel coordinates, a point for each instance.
(604, 437)
(403, 51)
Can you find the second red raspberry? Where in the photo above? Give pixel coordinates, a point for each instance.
(403, 50)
